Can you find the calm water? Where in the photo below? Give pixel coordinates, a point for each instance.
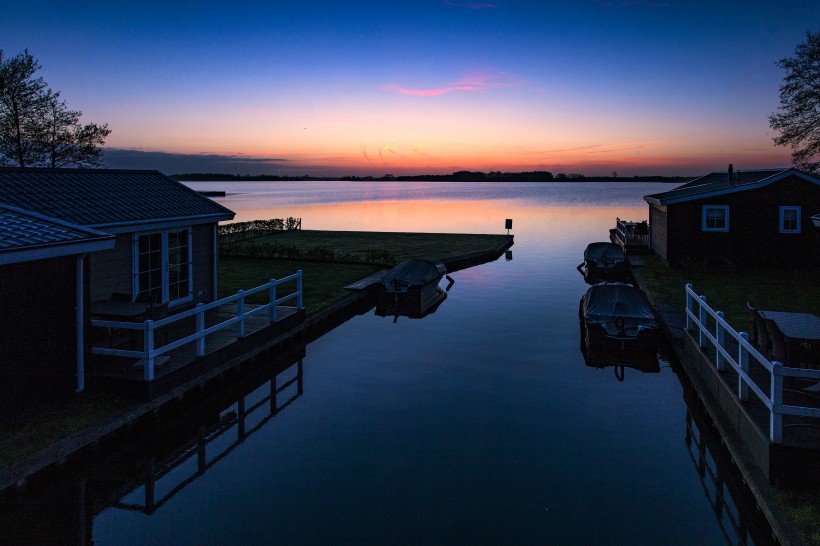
(477, 424)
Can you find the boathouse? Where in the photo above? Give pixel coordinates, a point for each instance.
(43, 304)
(741, 217)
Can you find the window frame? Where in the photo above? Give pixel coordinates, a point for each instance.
(704, 215)
(782, 221)
(165, 282)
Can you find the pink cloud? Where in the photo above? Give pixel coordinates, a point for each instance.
(477, 82)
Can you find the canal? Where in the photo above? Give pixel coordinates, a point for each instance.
(479, 423)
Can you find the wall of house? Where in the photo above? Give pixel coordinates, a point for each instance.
(203, 270)
(658, 229)
(754, 223)
(111, 269)
(38, 325)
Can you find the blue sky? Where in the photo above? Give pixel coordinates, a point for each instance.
(363, 87)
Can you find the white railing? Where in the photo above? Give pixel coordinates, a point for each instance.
(148, 355)
(628, 233)
(697, 316)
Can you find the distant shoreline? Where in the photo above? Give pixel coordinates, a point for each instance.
(461, 176)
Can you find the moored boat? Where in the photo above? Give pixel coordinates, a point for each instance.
(816, 220)
(604, 261)
(618, 324)
(411, 289)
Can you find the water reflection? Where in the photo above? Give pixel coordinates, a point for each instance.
(146, 470)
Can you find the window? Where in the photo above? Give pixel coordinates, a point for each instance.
(789, 219)
(715, 218)
(162, 264)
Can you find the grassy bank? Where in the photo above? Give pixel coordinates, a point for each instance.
(728, 289)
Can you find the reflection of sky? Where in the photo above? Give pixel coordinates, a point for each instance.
(359, 87)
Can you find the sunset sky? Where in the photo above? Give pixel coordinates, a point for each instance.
(427, 86)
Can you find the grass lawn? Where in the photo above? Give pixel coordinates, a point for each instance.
(728, 289)
(403, 246)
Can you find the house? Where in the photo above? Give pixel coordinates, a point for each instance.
(43, 297)
(741, 217)
(135, 232)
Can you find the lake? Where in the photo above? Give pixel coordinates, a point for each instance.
(479, 423)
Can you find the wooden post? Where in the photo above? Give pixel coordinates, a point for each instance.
(240, 310)
(702, 321)
(720, 335)
(299, 289)
(743, 361)
(200, 326)
(273, 300)
(689, 306)
(775, 418)
(148, 350)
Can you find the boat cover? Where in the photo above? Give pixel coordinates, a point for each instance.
(412, 273)
(608, 300)
(604, 253)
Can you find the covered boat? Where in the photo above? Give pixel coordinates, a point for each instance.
(816, 220)
(618, 323)
(604, 261)
(411, 289)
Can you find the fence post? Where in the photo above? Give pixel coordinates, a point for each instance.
(240, 311)
(689, 306)
(743, 361)
(273, 300)
(148, 350)
(299, 289)
(702, 320)
(775, 418)
(720, 335)
(200, 326)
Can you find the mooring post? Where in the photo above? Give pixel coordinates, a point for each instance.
(148, 350)
(200, 327)
(240, 312)
(702, 321)
(689, 307)
(273, 300)
(720, 335)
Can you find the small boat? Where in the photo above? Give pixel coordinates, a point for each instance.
(816, 220)
(604, 261)
(411, 289)
(618, 324)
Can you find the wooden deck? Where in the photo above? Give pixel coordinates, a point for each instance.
(183, 361)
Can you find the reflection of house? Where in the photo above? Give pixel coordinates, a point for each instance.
(164, 238)
(744, 217)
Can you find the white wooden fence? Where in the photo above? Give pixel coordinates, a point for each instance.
(697, 317)
(150, 352)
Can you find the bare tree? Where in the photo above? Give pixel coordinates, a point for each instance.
(799, 118)
(37, 129)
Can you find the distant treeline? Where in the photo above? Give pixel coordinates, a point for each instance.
(458, 176)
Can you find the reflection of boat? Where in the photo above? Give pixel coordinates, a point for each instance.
(618, 326)
(411, 289)
(604, 261)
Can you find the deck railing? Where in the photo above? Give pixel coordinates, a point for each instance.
(629, 233)
(148, 355)
(698, 316)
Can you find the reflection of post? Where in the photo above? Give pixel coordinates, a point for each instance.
(702, 458)
(688, 437)
(299, 374)
(240, 418)
(150, 484)
(82, 531)
(273, 407)
(719, 502)
(200, 450)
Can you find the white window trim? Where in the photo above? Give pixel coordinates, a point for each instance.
(165, 266)
(783, 218)
(703, 217)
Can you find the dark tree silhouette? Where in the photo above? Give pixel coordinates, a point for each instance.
(799, 118)
(36, 128)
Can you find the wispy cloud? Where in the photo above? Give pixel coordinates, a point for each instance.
(468, 84)
(469, 5)
(594, 149)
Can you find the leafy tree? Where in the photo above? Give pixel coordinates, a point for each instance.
(37, 129)
(799, 118)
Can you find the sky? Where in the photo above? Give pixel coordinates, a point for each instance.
(361, 87)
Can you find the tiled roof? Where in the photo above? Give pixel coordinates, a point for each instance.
(718, 183)
(102, 197)
(21, 229)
